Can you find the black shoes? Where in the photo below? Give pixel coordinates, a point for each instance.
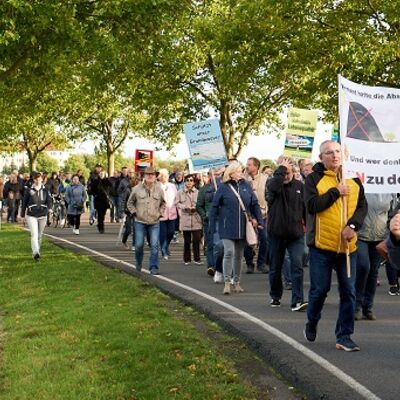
(36, 257)
(310, 332)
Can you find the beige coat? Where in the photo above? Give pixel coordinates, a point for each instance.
(259, 183)
(148, 206)
(186, 199)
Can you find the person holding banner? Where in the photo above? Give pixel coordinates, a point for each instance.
(329, 234)
(226, 209)
(258, 182)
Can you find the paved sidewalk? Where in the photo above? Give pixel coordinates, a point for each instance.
(276, 334)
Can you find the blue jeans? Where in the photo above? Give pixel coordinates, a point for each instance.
(262, 250)
(167, 231)
(141, 231)
(218, 252)
(278, 247)
(287, 276)
(322, 263)
(368, 260)
(92, 214)
(114, 212)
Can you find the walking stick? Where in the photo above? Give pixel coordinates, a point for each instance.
(119, 238)
(344, 218)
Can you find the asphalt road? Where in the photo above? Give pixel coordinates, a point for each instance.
(276, 334)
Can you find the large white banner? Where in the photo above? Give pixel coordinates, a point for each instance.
(370, 134)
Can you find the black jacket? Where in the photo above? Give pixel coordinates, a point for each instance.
(36, 203)
(101, 192)
(286, 207)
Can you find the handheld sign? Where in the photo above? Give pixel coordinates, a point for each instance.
(206, 145)
(370, 135)
(143, 159)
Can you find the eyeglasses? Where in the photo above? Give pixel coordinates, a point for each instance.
(331, 152)
(189, 180)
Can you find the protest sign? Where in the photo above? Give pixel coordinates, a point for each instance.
(370, 134)
(143, 159)
(206, 145)
(300, 132)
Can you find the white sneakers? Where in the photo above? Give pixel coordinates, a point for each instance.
(75, 231)
(218, 277)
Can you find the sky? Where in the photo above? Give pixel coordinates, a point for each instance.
(266, 146)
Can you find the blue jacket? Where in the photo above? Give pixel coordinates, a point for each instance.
(75, 195)
(226, 209)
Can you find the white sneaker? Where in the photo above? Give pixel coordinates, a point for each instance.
(218, 277)
(76, 231)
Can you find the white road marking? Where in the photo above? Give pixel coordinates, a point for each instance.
(337, 372)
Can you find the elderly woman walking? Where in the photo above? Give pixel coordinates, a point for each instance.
(226, 210)
(75, 196)
(36, 204)
(168, 221)
(190, 221)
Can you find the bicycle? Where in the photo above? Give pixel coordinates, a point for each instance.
(59, 217)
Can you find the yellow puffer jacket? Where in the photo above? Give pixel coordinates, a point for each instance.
(325, 219)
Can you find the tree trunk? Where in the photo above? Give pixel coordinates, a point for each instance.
(110, 162)
(108, 126)
(32, 156)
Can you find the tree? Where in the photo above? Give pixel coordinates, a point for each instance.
(46, 163)
(230, 60)
(77, 162)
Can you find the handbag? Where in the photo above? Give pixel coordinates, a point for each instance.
(251, 234)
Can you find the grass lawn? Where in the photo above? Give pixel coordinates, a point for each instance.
(72, 329)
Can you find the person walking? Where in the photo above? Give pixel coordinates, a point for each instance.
(203, 204)
(226, 210)
(75, 196)
(36, 204)
(258, 182)
(100, 188)
(286, 214)
(373, 231)
(393, 241)
(168, 220)
(189, 220)
(147, 204)
(329, 234)
(12, 193)
(128, 228)
(94, 175)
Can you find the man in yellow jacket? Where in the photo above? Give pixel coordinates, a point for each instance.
(329, 233)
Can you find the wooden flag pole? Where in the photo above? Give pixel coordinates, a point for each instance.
(342, 135)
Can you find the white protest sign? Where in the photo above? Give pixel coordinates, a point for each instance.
(370, 134)
(206, 145)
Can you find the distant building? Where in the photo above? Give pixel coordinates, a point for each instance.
(20, 159)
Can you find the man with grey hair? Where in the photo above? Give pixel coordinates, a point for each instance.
(330, 234)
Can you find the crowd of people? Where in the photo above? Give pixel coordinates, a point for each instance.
(303, 214)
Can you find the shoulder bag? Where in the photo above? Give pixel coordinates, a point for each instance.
(251, 234)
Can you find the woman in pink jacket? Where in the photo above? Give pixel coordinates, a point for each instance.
(168, 221)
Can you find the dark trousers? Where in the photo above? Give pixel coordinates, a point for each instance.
(262, 250)
(368, 260)
(101, 213)
(167, 231)
(74, 220)
(129, 229)
(295, 248)
(392, 274)
(322, 263)
(191, 239)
